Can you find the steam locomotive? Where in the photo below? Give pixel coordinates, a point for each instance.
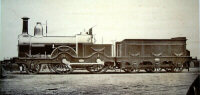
(63, 54)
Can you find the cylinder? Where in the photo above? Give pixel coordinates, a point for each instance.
(25, 25)
(38, 30)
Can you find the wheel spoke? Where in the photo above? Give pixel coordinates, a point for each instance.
(179, 67)
(61, 68)
(32, 69)
(96, 68)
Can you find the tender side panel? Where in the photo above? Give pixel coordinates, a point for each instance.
(134, 50)
(151, 48)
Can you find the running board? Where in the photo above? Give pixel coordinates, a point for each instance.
(85, 63)
(99, 62)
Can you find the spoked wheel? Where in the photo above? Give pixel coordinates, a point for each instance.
(62, 54)
(33, 69)
(128, 70)
(151, 67)
(160, 69)
(168, 66)
(157, 67)
(127, 67)
(149, 70)
(179, 67)
(96, 69)
(105, 68)
(61, 68)
(108, 65)
(50, 68)
(169, 69)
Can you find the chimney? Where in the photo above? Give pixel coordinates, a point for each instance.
(25, 25)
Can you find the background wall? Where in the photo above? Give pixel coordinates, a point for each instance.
(114, 20)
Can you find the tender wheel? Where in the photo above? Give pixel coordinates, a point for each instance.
(95, 68)
(160, 68)
(168, 66)
(61, 68)
(157, 67)
(105, 68)
(169, 69)
(108, 65)
(99, 68)
(179, 67)
(138, 70)
(128, 70)
(127, 67)
(151, 67)
(149, 70)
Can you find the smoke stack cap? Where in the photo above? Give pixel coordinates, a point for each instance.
(25, 18)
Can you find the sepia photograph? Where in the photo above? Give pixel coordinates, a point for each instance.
(99, 47)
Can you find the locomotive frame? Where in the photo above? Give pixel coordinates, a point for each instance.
(63, 54)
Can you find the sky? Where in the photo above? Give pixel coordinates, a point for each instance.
(113, 20)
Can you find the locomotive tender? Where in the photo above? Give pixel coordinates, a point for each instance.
(63, 54)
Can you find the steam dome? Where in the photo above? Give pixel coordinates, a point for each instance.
(38, 30)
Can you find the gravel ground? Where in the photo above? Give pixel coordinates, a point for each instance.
(106, 84)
